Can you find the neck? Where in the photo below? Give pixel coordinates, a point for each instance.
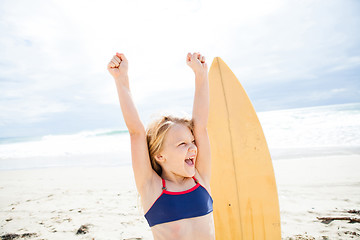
(173, 177)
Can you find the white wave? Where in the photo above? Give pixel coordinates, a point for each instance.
(333, 125)
(82, 143)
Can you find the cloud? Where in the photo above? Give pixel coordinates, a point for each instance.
(301, 40)
(346, 63)
(54, 53)
(338, 90)
(34, 109)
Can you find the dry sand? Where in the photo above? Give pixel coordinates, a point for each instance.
(319, 187)
(53, 203)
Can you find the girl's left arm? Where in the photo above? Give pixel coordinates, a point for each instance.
(200, 117)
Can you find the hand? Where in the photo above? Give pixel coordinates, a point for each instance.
(118, 66)
(197, 63)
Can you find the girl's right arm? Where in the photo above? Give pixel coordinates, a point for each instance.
(143, 172)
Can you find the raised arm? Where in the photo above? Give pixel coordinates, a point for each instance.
(118, 68)
(200, 113)
(143, 172)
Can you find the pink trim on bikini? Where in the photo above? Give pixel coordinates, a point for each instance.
(182, 192)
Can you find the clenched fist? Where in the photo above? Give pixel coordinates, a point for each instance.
(118, 66)
(197, 63)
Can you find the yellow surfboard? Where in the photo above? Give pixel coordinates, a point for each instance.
(243, 186)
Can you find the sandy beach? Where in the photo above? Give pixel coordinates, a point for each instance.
(53, 203)
(319, 187)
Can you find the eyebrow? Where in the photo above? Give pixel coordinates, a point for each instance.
(180, 140)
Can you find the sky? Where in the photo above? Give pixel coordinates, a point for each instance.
(53, 57)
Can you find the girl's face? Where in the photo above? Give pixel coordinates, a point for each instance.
(179, 151)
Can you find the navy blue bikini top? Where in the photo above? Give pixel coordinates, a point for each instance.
(173, 206)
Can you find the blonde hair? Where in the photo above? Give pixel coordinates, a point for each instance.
(156, 132)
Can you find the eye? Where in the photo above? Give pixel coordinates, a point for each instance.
(182, 143)
(193, 141)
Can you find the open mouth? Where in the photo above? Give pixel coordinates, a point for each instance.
(190, 161)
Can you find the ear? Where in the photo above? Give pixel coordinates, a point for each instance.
(160, 158)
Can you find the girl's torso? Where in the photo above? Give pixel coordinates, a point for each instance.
(158, 197)
(199, 228)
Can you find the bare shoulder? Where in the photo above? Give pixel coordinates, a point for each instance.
(150, 191)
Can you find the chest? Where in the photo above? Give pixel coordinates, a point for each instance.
(172, 206)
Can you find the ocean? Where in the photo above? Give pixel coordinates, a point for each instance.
(290, 133)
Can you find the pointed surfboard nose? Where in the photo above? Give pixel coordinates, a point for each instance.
(217, 64)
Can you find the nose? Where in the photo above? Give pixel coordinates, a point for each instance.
(193, 148)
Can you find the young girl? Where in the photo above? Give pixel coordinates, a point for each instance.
(171, 159)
